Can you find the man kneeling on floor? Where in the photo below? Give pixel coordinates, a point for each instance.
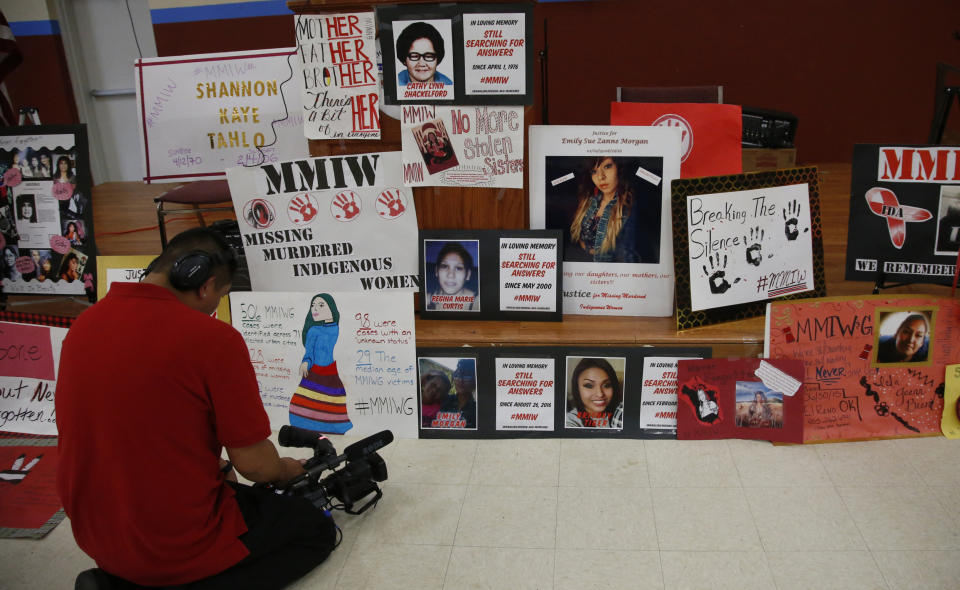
(150, 390)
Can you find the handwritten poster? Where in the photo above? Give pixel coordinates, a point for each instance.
(201, 114)
(333, 362)
(658, 394)
(457, 53)
(745, 239)
(344, 220)
(874, 366)
(904, 213)
(740, 398)
(339, 76)
(607, 189)
(749, 245)
(462, 146)
(494, 53)
(29, 357)
(950, 423)
(525, 393)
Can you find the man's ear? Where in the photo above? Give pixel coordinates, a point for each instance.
(208, 288)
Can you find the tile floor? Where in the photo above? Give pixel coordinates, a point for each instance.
(604, 514)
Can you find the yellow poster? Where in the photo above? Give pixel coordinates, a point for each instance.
(950, 423)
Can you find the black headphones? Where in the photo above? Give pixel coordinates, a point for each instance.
(192, 270)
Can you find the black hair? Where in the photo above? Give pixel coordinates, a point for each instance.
(199, 239)
(605, 366)
(419, 30)
(455, 247)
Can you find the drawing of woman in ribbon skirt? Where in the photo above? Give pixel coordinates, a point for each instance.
(320, 401)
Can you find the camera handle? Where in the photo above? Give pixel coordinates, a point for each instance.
(372, 502)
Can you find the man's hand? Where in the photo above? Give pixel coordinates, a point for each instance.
(260, 463)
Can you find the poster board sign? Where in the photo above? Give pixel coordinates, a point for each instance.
(491, 274)
(338, 76)
(904, 213)
(874, 366)
(740, 398)
(29, 505)
(558, 391)
(131, 269)
(658, 395)
(28, 377)
(711, 134)
(344, 220)
(332, 362)
(744, 239)
(608, 270)
(469, 146)
(46, 216)
(950, 423)
(201, 114)
(473, 54)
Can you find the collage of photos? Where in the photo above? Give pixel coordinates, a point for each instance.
(904, 336)
(607, 211)
(45, 218)
(448, 393)
(452, 277)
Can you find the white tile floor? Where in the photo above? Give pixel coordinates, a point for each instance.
(604, 514)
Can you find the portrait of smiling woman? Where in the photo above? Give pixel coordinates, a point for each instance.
(594, 394)
(421, 49)
(910, 343)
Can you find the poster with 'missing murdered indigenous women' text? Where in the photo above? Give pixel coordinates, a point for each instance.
(339, 77)
(904, 213)
(46, 217)
(608, 189)
(201, 114)
(333, 362)
(462, 146)
(346, 221)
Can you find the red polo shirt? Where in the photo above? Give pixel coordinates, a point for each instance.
(148, 392)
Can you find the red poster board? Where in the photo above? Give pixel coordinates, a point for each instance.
(740, 398)
(857, 384)
(29, 506)
(711, 133)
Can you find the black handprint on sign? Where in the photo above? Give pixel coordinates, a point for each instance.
(717, 274)
(347, 202)
(754, 255)
(18, 470)
(791, 213)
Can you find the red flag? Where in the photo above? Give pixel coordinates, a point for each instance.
(711, 132)
(10, 58)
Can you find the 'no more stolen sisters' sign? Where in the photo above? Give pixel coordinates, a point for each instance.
(347, 220)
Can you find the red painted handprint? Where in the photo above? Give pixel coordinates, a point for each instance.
(391, 203)
(345, 206)
(302, 209)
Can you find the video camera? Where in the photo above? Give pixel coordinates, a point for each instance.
(353, 482)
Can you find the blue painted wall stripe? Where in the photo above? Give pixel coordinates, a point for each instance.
(220, 11)
(30, 28)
